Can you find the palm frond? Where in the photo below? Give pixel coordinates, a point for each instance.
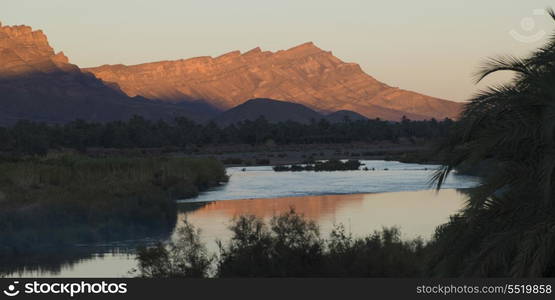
(507, 226)
(502, 63)
(551, 12)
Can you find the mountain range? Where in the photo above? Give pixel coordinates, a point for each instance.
(304, 74)
(38, 84)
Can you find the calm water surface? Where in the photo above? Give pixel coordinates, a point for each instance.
(415, 213)
(388, 176)
(395, 194)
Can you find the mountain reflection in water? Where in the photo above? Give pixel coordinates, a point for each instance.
(415, 213)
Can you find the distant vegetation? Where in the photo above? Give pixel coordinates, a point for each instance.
(64, 199)
(289, 246)
(318, 166)
(39, 138)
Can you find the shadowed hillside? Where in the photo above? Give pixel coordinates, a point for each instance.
(38, 84)
(342, 115)
(273, 111)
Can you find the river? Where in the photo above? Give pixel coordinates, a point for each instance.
(388, 194)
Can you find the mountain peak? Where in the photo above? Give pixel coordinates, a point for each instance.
(25, 50)
(253, 51)
(38, 84)
(304, 49)
(304, 74)
(306, 45)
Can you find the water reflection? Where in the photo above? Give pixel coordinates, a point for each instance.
(416, 213)
(96, 260)
(87, 262)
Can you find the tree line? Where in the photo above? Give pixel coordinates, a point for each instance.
(37, 138)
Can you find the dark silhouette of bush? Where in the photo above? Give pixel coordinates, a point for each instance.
(291, 246)
(381, 254)
(184, 257)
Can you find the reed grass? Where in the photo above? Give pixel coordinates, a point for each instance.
(65, 198)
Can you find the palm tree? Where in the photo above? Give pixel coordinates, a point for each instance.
(507, 228)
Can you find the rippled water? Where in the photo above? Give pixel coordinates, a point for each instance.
(394, 194)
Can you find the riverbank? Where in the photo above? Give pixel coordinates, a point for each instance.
(65, 199)
(259, 155)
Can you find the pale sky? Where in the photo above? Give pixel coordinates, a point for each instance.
(429, 46)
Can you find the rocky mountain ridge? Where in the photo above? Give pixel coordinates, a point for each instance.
(304, 74)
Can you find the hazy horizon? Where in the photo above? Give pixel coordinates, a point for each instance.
(432, 47)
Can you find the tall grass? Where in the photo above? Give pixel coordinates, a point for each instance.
(66, 198)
